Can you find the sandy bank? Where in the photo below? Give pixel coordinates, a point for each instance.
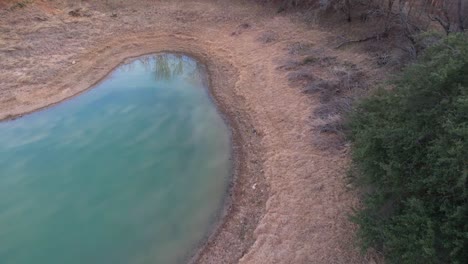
(289, 200)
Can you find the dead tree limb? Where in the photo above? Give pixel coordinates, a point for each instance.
(377, 36)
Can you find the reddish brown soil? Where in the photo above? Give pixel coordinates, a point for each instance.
(289, 201)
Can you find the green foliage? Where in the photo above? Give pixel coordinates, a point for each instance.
(410, 153)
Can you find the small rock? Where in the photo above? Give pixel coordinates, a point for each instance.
(73, 62)
(244, 25)
(41, 19)
(75, 12)
(79, 12)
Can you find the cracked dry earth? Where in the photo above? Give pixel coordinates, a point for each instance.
(288, 202)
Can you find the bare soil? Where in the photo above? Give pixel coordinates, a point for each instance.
(289, 202)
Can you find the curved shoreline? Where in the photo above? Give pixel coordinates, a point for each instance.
(236, 119)
(289, 201)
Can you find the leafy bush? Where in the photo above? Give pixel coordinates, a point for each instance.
(410, 155)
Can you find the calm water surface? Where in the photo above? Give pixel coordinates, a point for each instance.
(132, 171)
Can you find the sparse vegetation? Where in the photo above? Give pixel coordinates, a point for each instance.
(410, 147)
(409, 18)
(20, 4)
(410, 153)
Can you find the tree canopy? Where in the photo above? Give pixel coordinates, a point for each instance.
(410, 154)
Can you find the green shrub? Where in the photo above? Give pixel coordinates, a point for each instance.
(410, 155)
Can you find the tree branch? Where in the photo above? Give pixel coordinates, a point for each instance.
(377, 36)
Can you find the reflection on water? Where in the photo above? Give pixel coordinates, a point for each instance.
(133, 171)
(166, 66)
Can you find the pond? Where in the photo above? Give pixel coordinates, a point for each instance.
(134, 170)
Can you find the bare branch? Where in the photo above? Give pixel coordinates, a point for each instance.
(377, 36)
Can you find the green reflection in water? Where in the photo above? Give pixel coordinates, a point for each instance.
(132, 171)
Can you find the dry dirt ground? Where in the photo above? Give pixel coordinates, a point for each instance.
(272, 76)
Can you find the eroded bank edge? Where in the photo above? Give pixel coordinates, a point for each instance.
(245, 144)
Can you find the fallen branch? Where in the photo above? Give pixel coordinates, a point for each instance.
(377, 36)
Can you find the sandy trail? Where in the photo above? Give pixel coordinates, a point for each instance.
(289, 200)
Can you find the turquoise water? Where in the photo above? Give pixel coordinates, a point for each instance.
(132, 171)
